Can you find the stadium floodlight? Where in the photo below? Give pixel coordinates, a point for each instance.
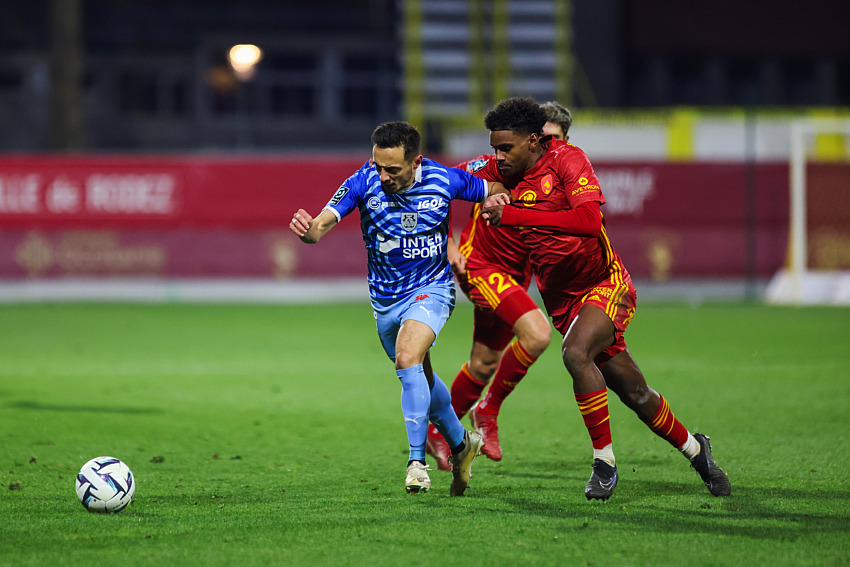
(244, 58)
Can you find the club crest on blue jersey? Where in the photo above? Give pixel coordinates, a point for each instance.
(409, 221)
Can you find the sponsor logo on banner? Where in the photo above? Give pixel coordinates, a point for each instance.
(129, 193)
(626, 189)
(20, 194)
(34, 254)
(409, 221)
(97, 194)
(283, 255)
(88, 253)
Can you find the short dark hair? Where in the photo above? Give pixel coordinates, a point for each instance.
(398, 134)
(556, 113)
(520, 115)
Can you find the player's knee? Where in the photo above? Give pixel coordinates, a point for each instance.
(482, 368)
(536, 340)
(406, 359)
(573, 354)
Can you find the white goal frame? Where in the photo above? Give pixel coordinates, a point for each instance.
(796, 284)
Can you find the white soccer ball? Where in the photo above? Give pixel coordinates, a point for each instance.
(105, 485)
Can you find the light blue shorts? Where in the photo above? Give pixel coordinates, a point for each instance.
(431, 304)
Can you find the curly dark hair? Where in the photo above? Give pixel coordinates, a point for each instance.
(521, 115)
(395, 134)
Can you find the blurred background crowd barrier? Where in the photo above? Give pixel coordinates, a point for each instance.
(164, 141)
(201, 217)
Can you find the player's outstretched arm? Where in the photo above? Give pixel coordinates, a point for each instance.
(310, 229)
(584, 220)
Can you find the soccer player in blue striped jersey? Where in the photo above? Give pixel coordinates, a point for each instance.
(403, 200)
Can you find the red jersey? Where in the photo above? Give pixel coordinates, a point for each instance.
(561, 179)
(486, 246)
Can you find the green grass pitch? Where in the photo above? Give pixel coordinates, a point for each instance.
(272, 435)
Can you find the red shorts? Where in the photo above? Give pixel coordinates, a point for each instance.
(489, 330)
(499, 301)
(615, 296)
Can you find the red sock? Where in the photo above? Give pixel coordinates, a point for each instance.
(594, 410)
(665, 425)
(465, 391)
(512, 368)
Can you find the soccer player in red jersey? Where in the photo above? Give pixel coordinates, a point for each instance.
(492, 269)
(556, 203)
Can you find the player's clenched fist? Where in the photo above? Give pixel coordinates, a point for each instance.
(301, 222)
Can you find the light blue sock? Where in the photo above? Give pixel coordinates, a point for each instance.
(415, 400)
(443, 415)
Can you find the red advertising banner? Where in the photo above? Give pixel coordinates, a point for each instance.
(697, 220)
(164, 192)
(171, 217)
(226, 216)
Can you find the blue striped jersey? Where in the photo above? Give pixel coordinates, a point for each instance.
(406, 233)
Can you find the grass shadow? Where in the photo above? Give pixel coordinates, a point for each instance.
(40, 406)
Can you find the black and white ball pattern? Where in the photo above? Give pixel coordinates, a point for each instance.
(105, 485)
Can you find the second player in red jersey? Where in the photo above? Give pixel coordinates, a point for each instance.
(556, 203)
(568, 265)
(492, 268)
